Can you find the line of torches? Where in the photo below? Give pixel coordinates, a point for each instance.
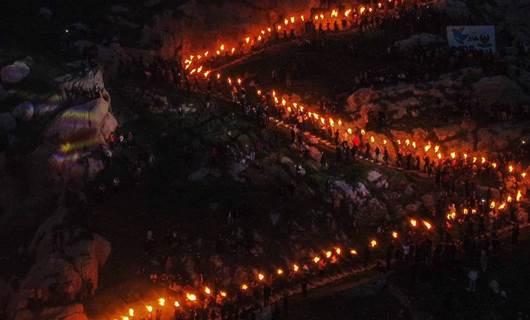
(235, 83)
(290, 22)
(192, 298)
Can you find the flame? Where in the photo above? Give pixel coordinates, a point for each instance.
(474, 159)
(492, 205)
(494, 165)
(414, 144)
(176, 304)
(349, 131)
(453, 155)
(321, 16)
(363, 132)
(239, 81)
(279, 272)
(519, 196)
(384, 141)
(207, 290)
(223, 294)
(131, 312)
(302, 18)
(338, 251)
(353, 252)
(233, 50)
(427, 225)
(316, 259)
(218, 76)
(328, 254)
(509, 199)
(334, 13)
(316, 16)
(247, 40)
(347, 12)
(292, 19)
(427, 148)
(269, 30)
(296, 267)
(244, 287)
(373, 243)
(502, 206)
(222, 47)
(413, 222)
(465, 156)
(436, 148)
(191, 297)
(483, 160)
(523, 175)
(362, 10)
(466, 211)
(161, 302)
(124, 318)
(259, 38)
(286, 22)
(331, 122)
(372, 139)
(407, 142)
(279, 28)
(394, 234)
(510, 169)
(261, 276)
(149, 309)
(339, 122)
(284, 102)
(258, 92)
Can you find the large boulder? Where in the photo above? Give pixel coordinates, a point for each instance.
(499, 89)
(90, 122)
(361, 97)
(15, 72)
(417, 40)
(24, 111)
(89, 81)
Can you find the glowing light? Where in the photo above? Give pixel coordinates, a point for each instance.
(247, 40)
(373, 243)
(191, 297)
(518, 196)
(316, 259)
(453, 155)
(328, 254)
(394, 234)
(161, 302)
(372, 139)
(510, 169)
(349, 131)
(296, 267)
(413, 222)
(149, 309)
(176, 304)
(261, 276)
(207, 290)
(223, 294)
(353, 252)
(131, 312)
(244, 287)
(427, 225)
(292, 19)
(436, 148)
(338, 251)
(279, 272)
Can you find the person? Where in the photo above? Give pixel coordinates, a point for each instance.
(472, 275)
